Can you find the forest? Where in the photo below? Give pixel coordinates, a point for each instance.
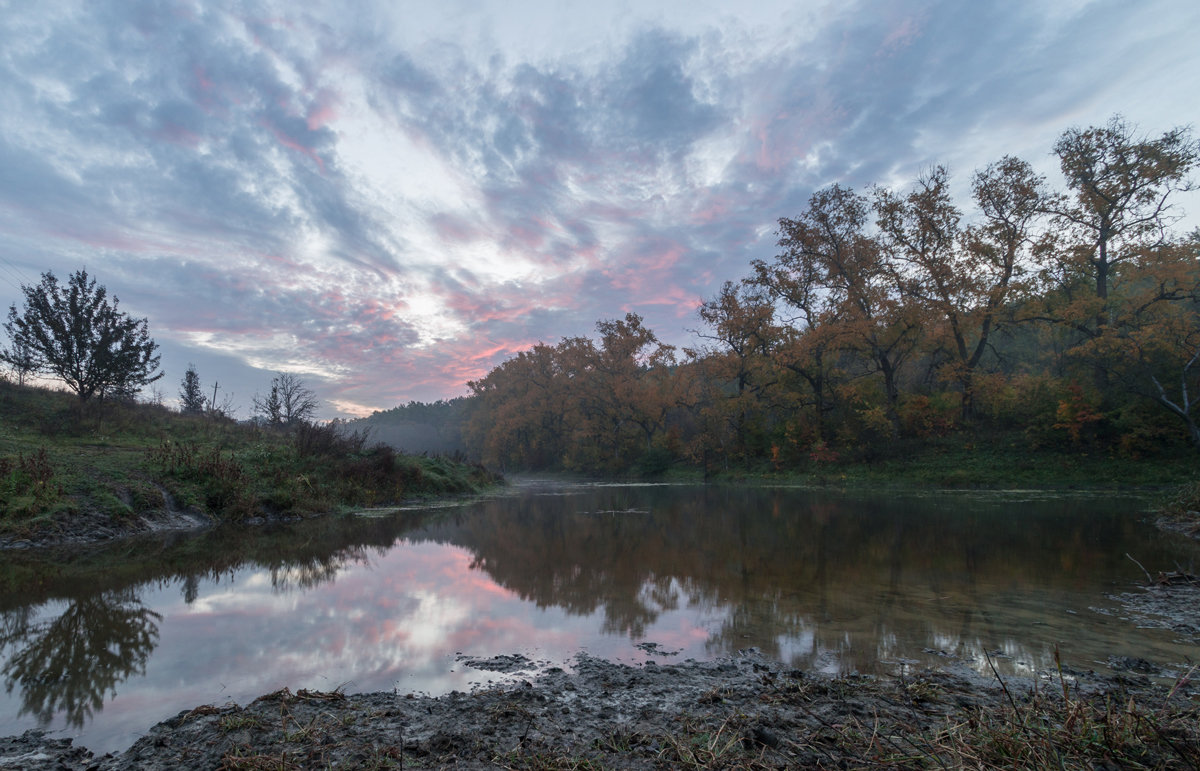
(893, 318)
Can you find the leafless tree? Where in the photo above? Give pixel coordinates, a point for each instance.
(288, 402)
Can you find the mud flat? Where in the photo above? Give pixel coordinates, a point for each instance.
(742, 712)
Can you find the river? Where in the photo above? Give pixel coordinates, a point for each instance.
(101, 644)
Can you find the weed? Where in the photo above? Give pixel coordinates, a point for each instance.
(547, 761)
(244, 759)
(239, 722)
(27, 484)
(703, 748)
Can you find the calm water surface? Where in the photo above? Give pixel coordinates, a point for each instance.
(100, 646)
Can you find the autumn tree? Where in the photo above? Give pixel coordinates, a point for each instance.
(77, 335)
(577, 404)
(1150, 342)
(520, 414)
(1121, 186)
(736, 362)
(631, 386)
(964, 278)
(845, 287)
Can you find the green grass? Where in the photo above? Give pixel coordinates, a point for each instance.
(61, 460)
(967, 461)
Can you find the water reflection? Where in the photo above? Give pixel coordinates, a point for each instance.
(821, 581)
(70, 665)
(816, 579)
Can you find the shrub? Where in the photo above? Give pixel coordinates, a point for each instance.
(328, 440)
(27, 484)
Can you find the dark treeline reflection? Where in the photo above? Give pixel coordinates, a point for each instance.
(791, 569)
(801, 575)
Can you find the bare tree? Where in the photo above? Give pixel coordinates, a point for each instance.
(288, 402)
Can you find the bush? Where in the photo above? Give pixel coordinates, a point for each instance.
(222, 482)
(654, 462)
(328, 440)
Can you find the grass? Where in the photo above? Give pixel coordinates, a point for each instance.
(1182, 507)
(1052, 728)
(996, 460)
(62, 462)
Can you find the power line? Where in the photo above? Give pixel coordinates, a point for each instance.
(13, 271)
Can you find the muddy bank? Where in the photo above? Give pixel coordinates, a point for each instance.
(94, 527)
(743, 712)
(1186, 523)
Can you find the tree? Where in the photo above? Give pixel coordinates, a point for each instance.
(288, 403)
(1150, 341)
(21, 359)
(191, 398)
(964, 277)
(630, 386)
(843, 282)
(736, 367)
(77, 335)
(1121, 184)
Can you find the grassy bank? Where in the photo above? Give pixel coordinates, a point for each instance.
(62, 463)
(995, 460)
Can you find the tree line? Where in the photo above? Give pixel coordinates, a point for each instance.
(1072, 315)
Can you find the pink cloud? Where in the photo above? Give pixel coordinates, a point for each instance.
(455, 229)
(527, 237)
(201, 78)
(293, 144)
(901, 36)
(323, 109)
(176, 134)
(715, 209)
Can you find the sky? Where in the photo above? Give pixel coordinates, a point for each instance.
(389, 199)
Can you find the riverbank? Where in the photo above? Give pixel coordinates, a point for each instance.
(994, 460)
(74, 474)
(743, 712)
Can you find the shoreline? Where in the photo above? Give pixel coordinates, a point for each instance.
(93, 528)
(739, 712)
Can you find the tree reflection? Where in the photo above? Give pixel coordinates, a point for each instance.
(70, 664)
(312, 570)
(817, 579)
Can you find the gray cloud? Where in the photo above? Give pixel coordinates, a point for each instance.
(200, 158)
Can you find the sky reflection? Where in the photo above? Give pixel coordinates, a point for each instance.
(823, 582)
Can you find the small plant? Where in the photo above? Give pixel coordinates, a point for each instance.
(820, 452)
(222, 480)
(238, 722)
(244, 759)
(27, 484)
(703, 748)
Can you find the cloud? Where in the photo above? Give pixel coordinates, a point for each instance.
(388, 203)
